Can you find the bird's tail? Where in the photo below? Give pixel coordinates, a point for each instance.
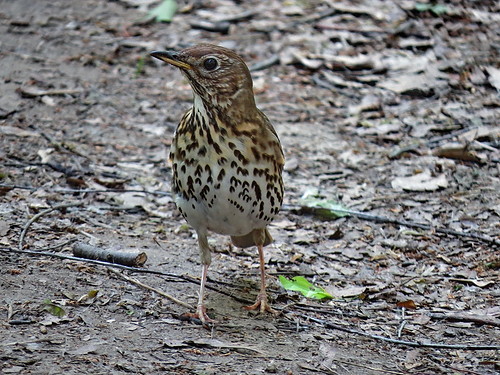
(252, 238)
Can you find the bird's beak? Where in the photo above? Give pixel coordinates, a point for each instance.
(170, 57)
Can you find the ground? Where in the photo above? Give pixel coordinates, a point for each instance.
(387, 108)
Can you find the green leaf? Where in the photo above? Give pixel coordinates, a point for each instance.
(437, 9)
(300, 284)
(423, 7)
(53, 309)
(325, 208)
(92, 293)
(164, 12)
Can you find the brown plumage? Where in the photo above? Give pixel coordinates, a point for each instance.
(226, 157)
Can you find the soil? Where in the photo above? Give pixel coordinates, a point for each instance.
(387, 108)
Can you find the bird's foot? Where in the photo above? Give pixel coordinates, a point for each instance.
(201, 315)
(261, 304)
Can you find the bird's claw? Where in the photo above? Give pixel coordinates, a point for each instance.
(201, 315)
(261, 304)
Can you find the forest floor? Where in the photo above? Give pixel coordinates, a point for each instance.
(387, 108)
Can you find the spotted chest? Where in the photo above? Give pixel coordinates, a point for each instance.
(224, 181)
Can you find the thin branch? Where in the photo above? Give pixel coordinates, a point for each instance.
(145, 286)
(38, 216)
(338, 327)
(101, 263)
(368, 367)
(134, 259)
(462, 317)
(264, 64)
(58, 246)
(325, 323)
(387, 220)
(86, 191)
(174, 277)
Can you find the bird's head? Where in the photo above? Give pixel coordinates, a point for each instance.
(217, 75)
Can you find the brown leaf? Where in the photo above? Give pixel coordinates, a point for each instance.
(457, 152)
(420, 182)
(409, 304)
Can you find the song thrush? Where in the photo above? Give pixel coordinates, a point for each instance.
(226, 158)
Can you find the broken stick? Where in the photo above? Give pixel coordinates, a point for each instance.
(83, 250)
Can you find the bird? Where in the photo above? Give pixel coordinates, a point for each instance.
(226, 158)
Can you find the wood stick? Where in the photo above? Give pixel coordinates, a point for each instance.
(415, 344)
(83, 250)
(465, 317)
(38, 216)
(300, 209)
(145, 286)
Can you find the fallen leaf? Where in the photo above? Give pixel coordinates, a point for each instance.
(494, 77)
(324, 208)
(31, 92)
(92, 347)
(348, 292)
(45, 154)
(53, 309)
(369, 102)
(457, 152)
(164, 12)
(409, 304)
(420, 182)
(300, 284)
(48, 100)
(18, 132)
(479, 283)
(481, 132)
(87, 298)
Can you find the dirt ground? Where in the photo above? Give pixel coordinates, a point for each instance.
(388, 108)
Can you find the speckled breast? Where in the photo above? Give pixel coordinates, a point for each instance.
(220, 183)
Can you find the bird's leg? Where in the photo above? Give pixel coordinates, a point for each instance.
(201, 310)
(261, 301)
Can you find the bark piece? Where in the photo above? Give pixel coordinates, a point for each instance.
(84, 250)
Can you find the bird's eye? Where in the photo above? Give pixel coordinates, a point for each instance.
(210, 63)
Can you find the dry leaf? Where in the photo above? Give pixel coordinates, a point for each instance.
(457, 152)
(494, 77)
(351, 291)
(420, 182)
(408, 304)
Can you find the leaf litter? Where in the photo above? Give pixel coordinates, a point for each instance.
(360, 99)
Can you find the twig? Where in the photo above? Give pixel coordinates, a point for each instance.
(458, 317)
(314, 17)
(61, 145)
(175, 277)
(145, 286)
(218, 27)
(436, 141)
(331, 325)
(387, 220)
(34, 92)
(53, 247)
(402, 323)
(38, 216)
(401, 327)
(87, 191)
(101, 263)
(368, 367)
(264, 64)
(239, 17)
(83, 250)
(325, 323)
